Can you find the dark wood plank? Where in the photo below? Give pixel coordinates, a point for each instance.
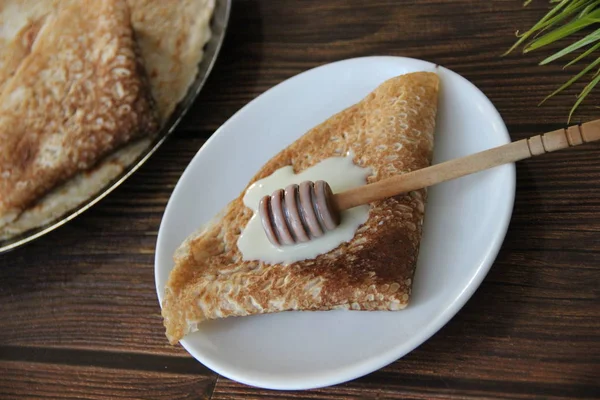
(272, 41)
(79, 310)
(392, 384)
(32, 380)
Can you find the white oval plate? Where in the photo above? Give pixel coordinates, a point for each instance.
(465, 224)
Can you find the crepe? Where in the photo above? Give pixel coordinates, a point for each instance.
(20, 22)
(75, 191)
(171, 35)
(392, 132)
(78, 95)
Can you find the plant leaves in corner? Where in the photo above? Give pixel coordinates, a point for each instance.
(561, 22)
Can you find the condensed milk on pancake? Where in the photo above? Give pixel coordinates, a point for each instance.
(341, 174)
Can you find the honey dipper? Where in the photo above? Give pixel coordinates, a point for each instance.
(302, 212)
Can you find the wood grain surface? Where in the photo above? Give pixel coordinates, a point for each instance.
(80, 313)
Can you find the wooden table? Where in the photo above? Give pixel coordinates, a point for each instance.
(80, 317)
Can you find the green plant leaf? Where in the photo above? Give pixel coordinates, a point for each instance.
(573, 79)
(583, 55)
(564, 31)
(569, 10)
(591, 38)
(564, 19)
(590, 86)
(588, 8)
(538, 25)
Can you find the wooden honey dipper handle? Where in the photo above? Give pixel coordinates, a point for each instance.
(508, 153)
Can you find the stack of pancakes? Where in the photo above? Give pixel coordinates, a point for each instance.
(84, 86)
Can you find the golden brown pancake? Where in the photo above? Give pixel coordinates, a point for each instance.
(391, 131)
(171, 35)
(79, 94)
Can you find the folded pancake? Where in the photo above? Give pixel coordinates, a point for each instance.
(171, 35)
(20, 22)
(78, 95)
(392, 132)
